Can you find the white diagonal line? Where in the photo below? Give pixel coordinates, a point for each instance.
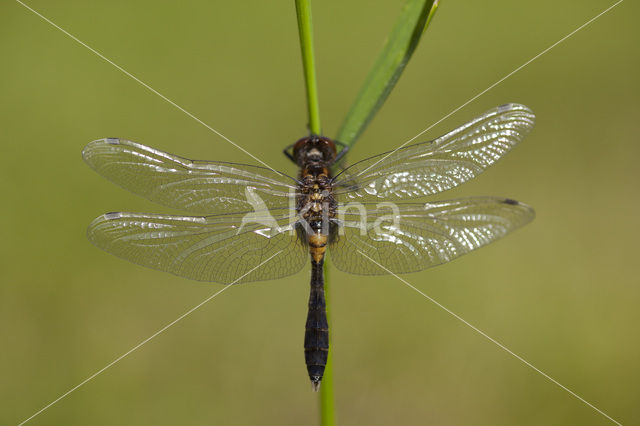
(496, 83)
(145, 85)
(143, 342)
(492, 340)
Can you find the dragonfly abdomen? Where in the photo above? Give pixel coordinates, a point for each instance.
(316, 337)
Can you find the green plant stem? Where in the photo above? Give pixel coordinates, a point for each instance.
(305, 29)
(327, 408)
(303, 10)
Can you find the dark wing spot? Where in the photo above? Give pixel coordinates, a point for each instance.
(510, 201)
(113, 141)
(504, 107)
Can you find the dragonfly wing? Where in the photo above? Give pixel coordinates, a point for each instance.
(223, 249)
(431, 167)
(199, 187)
(415, 236)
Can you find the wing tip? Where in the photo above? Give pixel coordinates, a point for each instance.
(513, 106)
(95, 224)
(518, 110)
(530, 211)
(94, 146)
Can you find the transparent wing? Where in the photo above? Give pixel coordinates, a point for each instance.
(412, 237)
(431, 167)
(200, 187)
(222, 249)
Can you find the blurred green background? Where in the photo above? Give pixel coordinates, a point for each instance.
(563, 292)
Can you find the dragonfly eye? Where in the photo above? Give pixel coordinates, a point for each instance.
(299, 150)
(328, 148)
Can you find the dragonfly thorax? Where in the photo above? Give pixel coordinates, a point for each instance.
(316, 204)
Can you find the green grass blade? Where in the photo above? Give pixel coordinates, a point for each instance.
(403, 40)
(327, 408)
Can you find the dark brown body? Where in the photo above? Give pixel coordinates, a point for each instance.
(316, 207)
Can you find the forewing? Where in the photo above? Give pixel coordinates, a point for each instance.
(431, 167)
(221, 249)
(199, 187)
(418, 236)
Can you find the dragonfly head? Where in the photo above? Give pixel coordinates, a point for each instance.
(314, 149)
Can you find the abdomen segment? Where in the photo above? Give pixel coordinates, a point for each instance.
(316, 337)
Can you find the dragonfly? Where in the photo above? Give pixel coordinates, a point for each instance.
(250, 223)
